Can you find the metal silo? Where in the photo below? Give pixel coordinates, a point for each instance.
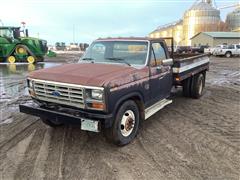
(201, 17)
(233, 20)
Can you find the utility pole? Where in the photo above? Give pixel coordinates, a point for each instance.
(73, 33)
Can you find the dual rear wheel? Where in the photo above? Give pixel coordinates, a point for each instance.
(193, 87)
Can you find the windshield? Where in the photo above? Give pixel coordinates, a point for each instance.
(6, 33)
(127, 52)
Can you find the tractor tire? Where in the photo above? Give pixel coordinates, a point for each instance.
(21, 50)
(126, 124)
(11, 59)
(31, 59)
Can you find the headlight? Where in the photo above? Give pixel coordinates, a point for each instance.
(94, 94)
(95, 99)
(97, 94)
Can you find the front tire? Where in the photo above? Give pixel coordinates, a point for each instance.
(51, 123)
(126, 124)
(228, 54)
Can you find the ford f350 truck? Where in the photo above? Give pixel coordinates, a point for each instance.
(117, 84)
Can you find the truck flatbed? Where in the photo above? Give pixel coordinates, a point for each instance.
(187, 65)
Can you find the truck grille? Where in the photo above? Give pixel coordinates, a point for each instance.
(59, 93)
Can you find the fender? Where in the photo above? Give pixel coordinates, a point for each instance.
(126, 97)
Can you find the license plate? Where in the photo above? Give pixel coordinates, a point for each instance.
(90, 125)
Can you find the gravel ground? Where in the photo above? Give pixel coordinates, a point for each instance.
(189, 139)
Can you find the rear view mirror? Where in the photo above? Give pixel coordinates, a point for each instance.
(167, 62)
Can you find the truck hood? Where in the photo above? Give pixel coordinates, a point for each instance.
(91, 74)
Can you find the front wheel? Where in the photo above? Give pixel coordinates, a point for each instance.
(228, 54)
(126, 124)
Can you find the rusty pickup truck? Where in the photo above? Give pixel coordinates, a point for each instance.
(117, 84)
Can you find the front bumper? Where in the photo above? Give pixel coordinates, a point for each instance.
(69, 116)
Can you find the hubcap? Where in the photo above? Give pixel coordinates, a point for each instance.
(30, 59)
(11, 59)
(21, 50)
(127, 123)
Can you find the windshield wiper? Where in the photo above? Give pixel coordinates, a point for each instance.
(118, 59)
(87, 59)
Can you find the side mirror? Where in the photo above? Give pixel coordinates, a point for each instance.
(167, 62)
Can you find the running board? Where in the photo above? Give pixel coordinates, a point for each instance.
(156, 107)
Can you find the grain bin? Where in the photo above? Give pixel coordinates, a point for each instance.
(201, 17)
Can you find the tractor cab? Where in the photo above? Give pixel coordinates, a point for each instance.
(12, 33)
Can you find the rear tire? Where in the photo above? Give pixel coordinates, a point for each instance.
(126, 124)
(51, 123)
(187, 87)
(198, 86)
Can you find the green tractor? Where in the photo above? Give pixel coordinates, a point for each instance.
(16, 46)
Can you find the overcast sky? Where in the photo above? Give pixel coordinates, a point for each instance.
(54, 20)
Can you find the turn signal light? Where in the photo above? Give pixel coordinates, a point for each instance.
(32, 93)
(97, 105)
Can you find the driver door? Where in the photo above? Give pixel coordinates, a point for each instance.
(160, 76)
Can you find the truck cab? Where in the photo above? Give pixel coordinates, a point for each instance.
(117, 84)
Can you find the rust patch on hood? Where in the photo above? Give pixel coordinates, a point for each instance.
(91, 74)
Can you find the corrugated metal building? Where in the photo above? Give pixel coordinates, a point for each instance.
(215, 38)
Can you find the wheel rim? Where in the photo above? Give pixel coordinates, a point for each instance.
(21, 50)
(31, 59)
(127, 123)
(200, 87)
(228, 55)
(11, 59)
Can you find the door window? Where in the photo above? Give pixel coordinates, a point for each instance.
(157, 54)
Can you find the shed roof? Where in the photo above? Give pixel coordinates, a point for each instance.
(220, 34)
